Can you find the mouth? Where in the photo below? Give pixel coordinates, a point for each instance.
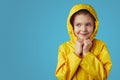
(83, 34)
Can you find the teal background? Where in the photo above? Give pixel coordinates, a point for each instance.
(32, 30)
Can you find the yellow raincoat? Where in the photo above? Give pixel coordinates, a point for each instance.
(95, 65)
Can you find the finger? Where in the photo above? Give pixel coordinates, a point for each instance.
(80, 41)
(88, 41)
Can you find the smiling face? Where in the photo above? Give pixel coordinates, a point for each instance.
(83, 26)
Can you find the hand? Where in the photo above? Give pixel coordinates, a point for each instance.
(79, 47)
(86, 47)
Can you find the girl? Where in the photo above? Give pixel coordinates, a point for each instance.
(83, 57)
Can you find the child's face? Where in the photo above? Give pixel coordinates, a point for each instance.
(83, 26)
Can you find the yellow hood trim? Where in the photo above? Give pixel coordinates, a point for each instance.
(76, 8)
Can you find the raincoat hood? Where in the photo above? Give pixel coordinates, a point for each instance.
(76, 8)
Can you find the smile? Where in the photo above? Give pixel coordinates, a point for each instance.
(83, 34)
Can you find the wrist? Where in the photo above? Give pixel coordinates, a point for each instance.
(78, 54)
(85, 53)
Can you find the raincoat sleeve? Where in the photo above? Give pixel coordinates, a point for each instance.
(99, 67)
(67, 64)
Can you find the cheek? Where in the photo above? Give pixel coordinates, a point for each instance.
(75, 31)
(91, 30)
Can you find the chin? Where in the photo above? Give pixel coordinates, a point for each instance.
(83, 38)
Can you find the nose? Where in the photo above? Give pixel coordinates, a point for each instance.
(83, 28)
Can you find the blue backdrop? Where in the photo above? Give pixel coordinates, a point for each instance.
(32, 30)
